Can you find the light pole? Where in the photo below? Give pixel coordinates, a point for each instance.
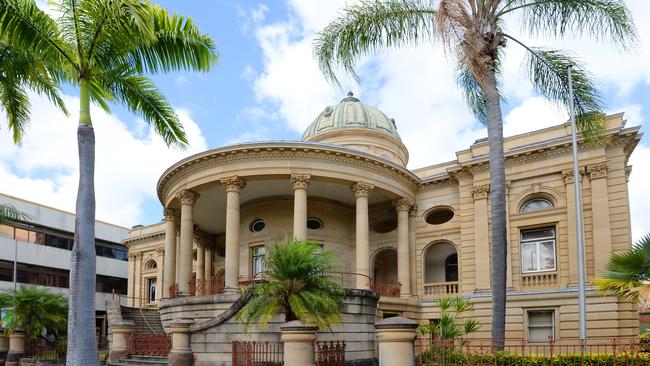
(580, 230)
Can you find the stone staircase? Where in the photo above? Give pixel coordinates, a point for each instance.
(147, 320)
(141, 361)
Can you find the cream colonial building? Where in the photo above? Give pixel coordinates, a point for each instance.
(411, 235)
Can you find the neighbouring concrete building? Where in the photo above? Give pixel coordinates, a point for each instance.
(41, 246)
(409, 236)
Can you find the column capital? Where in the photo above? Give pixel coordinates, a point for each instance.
(160, 251)
(188, 197)
(628, 171)
(362, 189)
(233, 183)
(414, 210)
(481, 192)
(170, 214)
(403, 204)
(597, 171)
(300, 181)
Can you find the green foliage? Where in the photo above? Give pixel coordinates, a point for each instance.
(37, 309)
(9, 213)
(295, 283)
(628, 274)
(450, 325)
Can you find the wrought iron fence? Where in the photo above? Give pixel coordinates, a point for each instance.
(209, 286)
(257, 353)
(148, 344)
(42, 349)
(386, 287)
(330, 353)
(565, 352)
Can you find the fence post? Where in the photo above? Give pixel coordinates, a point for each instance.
(118, 332)
(395, 337)
(181, 353)
(298, 343)
(16, 345)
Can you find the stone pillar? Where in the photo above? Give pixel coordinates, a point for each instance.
(300, 183)
(188, 199)
(571, 227)
(412, 250)
(200, 260)
(403, 206)
(169, 272)
(298, 342)
(481, 237)
(119, 332)
(132, 280)
(602, 235)
(208, 262)
(139, 295)
(16, 346)
(395, 338)
(160, 260)
(181, 352)
(178, 251)
(361, 191)
(233, 186)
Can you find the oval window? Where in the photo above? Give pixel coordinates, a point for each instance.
(439, 216)
(536, 204)
(257, 225)
(314, 223)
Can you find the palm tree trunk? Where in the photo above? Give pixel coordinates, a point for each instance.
(82, 346)
(497, 207)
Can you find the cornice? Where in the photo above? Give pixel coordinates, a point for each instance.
(143, 237)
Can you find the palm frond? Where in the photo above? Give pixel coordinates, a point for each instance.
(16, 105)
(140, 95)
(9, 213)
(602, 19)
(367, 27)
(627, 274)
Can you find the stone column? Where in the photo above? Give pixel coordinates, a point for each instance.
(300, 183)
(188, 199)
(602, 235)
(403, 205)
(233, 186)
(481, 237)
(571, 227)
(119, 332)
(298, 342)
(132, 279)
(208, 262)
(361, 191)
(412, 250)
(16, 346)
(181, 352)
(169, 272)
(139, 295)
(178, 252)
(395, 338)
(160, 260)
(200, 260)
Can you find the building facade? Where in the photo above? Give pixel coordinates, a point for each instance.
(41, 247)
(410, 235)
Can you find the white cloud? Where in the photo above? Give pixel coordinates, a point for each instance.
(128, 164)
(416, 86)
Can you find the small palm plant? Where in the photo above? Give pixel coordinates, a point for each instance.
(34, 309)
(9, 213)
(450, 326)
(628, 274)
(295, 283)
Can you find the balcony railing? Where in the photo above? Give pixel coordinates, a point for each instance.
(211, 286)
(441, 288)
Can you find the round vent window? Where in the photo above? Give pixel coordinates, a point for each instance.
(314, 223)
(385, 226)
(257, 225)
(439, 216)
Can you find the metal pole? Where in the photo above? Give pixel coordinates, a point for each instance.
(15, 262)
(582, 303)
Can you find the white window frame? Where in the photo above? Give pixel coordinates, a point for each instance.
(152, 281)
(538, 242)
(528, 325)
(254, 257)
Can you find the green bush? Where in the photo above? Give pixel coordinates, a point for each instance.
(451, 357)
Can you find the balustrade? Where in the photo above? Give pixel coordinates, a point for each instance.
(441, 288)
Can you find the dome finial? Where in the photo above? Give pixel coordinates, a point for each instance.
(350, 97)
(350, 93)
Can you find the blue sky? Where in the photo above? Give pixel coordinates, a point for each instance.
(267, 87)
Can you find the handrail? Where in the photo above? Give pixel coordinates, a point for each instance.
(146, 321)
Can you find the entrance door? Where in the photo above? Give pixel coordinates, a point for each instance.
(152, 289)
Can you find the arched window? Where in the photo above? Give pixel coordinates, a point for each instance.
(536, 204)
(440, 263)
(151, 265)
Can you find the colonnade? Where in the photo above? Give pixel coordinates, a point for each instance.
(179, 270)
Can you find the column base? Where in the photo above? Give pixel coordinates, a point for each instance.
(180, 359)
(115, 356)
(231, 289)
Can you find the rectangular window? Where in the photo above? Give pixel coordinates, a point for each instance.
(258, 264)
(152, 290)
(7, 231)
(541, 325)
(538, 250)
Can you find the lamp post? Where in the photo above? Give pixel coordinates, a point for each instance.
(580, 236)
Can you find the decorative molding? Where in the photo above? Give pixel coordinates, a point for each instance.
(403, 204)
(437, 184)
(233, 183)
(362, 189)
(628, 171)
(414, 210)
(598, 170)
(188, 197)
(144, 237)
(481, 192)
(170, 214)
(160, 251)
(300, 181)
(567, 174)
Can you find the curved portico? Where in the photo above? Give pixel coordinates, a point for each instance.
(220, 192)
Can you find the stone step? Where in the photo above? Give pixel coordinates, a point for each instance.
(141, 360)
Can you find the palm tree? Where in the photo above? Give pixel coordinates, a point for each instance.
(104, 47)
(474, 33)
(450, 327)
(628, 274)
(295, 283)
(34, 309)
